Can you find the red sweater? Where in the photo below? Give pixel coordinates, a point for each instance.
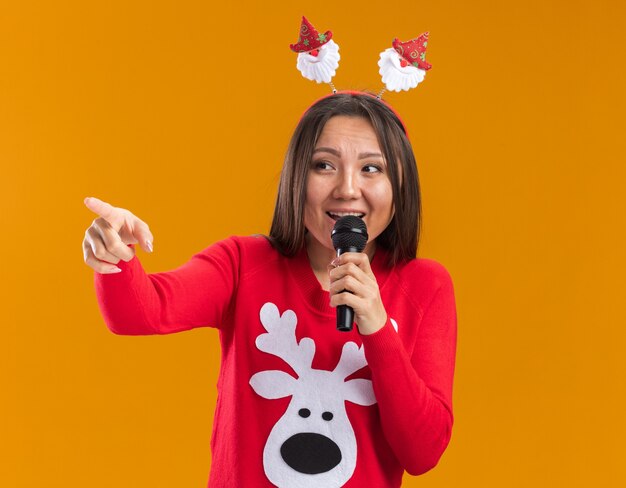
(301, 404)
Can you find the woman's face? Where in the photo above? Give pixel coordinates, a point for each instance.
(347, 176)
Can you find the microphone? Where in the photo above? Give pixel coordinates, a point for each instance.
(348, 235)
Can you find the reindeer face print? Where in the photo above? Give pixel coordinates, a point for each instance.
(313, 443)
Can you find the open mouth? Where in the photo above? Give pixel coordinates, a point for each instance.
(337, 215)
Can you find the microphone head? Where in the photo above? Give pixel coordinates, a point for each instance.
(349, 231)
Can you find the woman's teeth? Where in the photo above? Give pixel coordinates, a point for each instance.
(338, 215)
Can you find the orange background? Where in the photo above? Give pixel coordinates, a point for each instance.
(181, 111)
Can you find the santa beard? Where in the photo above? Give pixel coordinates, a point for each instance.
(320, 68)
(395, 76)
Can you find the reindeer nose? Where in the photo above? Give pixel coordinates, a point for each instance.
(310, 453)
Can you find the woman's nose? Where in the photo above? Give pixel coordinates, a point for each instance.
(347, 186)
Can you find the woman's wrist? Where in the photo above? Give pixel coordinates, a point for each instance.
(368, 329)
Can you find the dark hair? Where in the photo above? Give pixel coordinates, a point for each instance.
(401, 236)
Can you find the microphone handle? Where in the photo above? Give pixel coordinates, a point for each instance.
(345, 314)
(345, 318)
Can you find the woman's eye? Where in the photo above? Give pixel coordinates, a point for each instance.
(322, 165)
(372, 168)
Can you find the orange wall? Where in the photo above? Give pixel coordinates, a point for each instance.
(181, 112)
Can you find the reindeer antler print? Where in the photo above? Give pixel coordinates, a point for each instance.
(280, 339)
(352, 359)
(313, 443)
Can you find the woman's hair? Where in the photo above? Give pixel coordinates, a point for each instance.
(401, 236)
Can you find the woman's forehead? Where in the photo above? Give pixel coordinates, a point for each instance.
(344, 132)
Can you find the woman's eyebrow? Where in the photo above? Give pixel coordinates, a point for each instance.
(330, 150)
(370, 155)
(334, 152)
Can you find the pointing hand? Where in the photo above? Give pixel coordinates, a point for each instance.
(107, 238)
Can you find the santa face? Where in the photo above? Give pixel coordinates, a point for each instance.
(347, 176)
(321, 64)
(396, 73)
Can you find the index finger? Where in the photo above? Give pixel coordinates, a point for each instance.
(361, 259)
(103, 209)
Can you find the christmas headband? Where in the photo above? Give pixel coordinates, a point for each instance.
(402, 66)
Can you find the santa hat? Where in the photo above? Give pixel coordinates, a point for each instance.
(413, 51)
(310, 39)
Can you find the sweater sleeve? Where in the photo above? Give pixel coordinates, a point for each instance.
(197, 294)
(414, 391)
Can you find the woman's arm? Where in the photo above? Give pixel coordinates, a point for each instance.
(414, 392)
(197, 294)
(134, 302)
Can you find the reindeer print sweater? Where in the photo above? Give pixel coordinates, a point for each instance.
(299, 403)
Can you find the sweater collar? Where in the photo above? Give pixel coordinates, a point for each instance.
(302, 274)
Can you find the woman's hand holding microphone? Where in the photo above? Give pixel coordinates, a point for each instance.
(352, 271)
(107, 238)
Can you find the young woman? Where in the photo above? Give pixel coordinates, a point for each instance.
(301, 404)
